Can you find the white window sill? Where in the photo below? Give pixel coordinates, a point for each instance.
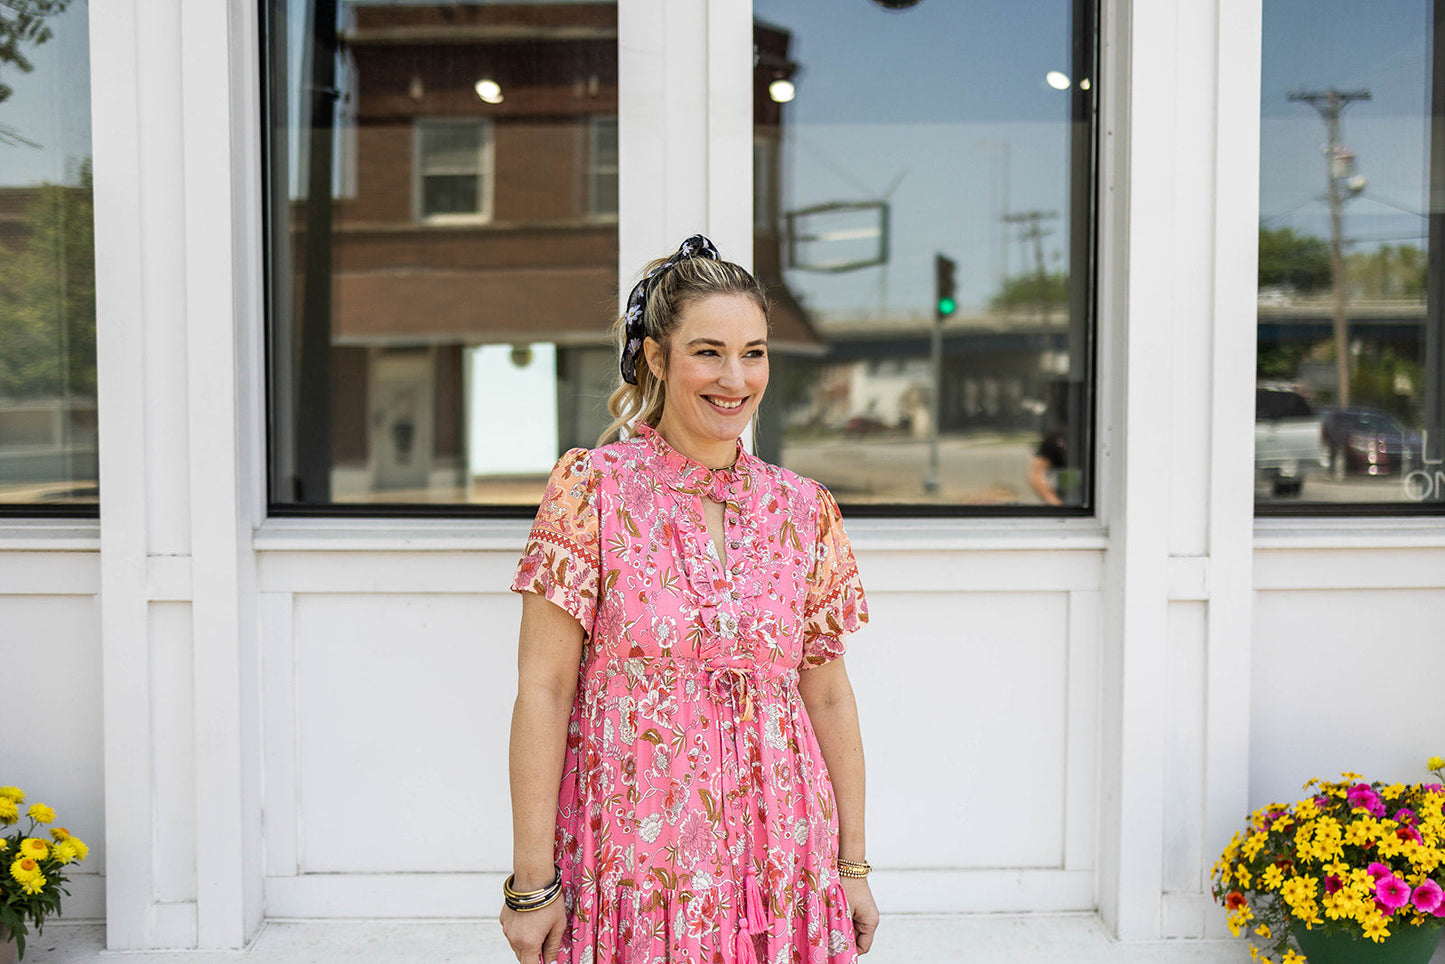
(1419, 532)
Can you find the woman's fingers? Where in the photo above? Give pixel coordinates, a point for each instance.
(864, 933)
(553, 941)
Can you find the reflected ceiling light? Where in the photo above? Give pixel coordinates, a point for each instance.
(489, 90)
(1057, 80)
(782, 91)
(1084, 84)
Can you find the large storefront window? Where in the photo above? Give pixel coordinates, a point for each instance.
(1349, 411)
(923, 213)
(47, 261)
(443, 247)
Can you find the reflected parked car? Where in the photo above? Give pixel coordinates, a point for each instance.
(1288, 440)
(1368, 441)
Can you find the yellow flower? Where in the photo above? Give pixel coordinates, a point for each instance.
(65, 851)
(9, 812)
(13, 793)
(1272, 877)
(1253, 953)
(24, 869)
(35, 847)
(59, 833)
(1376, 928)
(4, 845)
(1290, 957)
(40, 813)
(81, 850)
(1392, 791)
(1263, 931)
(1435, 763)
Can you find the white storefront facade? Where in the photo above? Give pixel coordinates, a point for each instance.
(307, 717)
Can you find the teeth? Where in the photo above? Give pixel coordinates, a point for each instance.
(721, 404)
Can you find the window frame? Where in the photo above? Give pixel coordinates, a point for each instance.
(486, 172)
(595, 170)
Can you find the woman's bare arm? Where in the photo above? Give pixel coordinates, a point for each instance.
(548, 653)
(828, 696)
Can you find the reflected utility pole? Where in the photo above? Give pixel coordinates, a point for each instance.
(1036, 233)
(1331, 103)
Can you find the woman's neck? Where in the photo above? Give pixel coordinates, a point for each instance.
(714, 454)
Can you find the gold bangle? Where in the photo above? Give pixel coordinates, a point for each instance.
(532, 899)
(853, 868)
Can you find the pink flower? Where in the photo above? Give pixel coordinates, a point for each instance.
(1428, 897)
(1322, 801)
(1380, 870)
(1433, 787)
(1393, 892)
(1361, 795)
(1333, 884)
(1406, 816)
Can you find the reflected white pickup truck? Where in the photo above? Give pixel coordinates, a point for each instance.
(1288, 441)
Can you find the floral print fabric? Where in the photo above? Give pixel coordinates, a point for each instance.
(695, 820)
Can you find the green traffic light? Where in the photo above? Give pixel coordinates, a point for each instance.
(946, 306)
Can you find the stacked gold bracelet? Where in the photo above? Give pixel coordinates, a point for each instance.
(853, 868)
(532, 899)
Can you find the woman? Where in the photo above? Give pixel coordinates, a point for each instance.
(680, 669)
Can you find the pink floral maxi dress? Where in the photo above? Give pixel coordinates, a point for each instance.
(696, 820)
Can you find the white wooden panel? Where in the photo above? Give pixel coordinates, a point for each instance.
(404, 705)
(53, 644)
(446, 571)
(1344, 681)
(173, 752)
(49, 573)
(1372, 568)
(730, 129)
(1184, 754)
(278, 689)
(962, 701)
(1081, 815)
(480, 895)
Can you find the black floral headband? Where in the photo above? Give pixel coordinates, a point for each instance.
(696, 246)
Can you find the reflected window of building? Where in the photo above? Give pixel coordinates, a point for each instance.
(926, 230)
(454, 169)
(48, 455)
(1349, 412)
(602, 175)
(442, 239)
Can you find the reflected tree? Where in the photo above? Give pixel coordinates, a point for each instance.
(1288, 259)
(22, 22)
(47, 297)
(1032, 290)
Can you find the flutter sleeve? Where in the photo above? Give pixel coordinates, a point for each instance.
(563, 557)
(835, 604)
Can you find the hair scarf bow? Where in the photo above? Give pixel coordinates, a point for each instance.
(696, 246)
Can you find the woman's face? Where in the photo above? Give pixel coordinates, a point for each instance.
(716, 369)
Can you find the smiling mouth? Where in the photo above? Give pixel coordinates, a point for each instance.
(726, 406)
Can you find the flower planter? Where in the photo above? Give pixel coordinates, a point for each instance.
(1405, 945)
(8, 951)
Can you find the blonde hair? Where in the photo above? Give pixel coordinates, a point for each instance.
(670, 294)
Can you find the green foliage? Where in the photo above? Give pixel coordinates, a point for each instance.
(1390, 271)
(47, 297)
(1032, 290)
(1287, 259)
(1373, 382)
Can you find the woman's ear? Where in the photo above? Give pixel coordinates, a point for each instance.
(655, 356)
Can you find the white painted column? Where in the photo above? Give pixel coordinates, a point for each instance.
(1177, 281)
(177, 319)
(684, 128)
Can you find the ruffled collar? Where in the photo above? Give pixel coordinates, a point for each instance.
(689, 475)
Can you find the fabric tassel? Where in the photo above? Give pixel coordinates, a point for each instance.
(745, 953)
(754, 898)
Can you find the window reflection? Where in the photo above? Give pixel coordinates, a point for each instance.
(444, 246)
(47, 265)
(1349, 364)
(925, 226)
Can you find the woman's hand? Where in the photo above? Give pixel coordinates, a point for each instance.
(864, 908)
(536, 934)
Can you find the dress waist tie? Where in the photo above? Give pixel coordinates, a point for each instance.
(734, 684)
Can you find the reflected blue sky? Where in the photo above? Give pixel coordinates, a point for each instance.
(922, 101)
(49, 106)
